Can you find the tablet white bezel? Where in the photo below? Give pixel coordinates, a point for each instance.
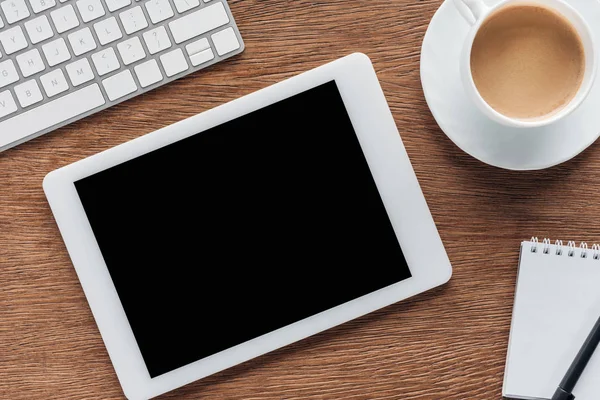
(391, 169)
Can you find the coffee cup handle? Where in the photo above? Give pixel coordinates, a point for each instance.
(471, 10)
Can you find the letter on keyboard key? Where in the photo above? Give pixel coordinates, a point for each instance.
(80, 72)
(50, 114)
(199, 22)
(119, 85)
(54, 82)
(64, 18)
(56, 52)
(13, 40)
(28, 93)
(90, 9)
(8, 73)
(82, 41)
(174, 62)
(7, 104)
(108, 30)
(39, 29)
(30, 62)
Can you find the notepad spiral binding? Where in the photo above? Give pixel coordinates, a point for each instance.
(570, 248)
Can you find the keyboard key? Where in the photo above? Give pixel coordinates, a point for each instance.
(174, 62)
(13, 40)
(56, 52)
(80, 72)
(199, 52)
(50, 114)
(28, 93)
(15, 10)
(30, 63)
(108, 31)
(133, 20)
(157, 40)
(54, 83)
(202, 57)
(7, 104)
(197, 46)
(148, 73)
(159, 10)
(114, 5)
(199, 22)
(8, 73)
(119, 85)
(185, 5)
(64, 18)
(1, 23)
(225, 41)
(41, 5)
(106, 61)
(82, 41)
(39, 29)
(90, 9)
(131, 50)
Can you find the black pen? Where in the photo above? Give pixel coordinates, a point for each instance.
(565, 389)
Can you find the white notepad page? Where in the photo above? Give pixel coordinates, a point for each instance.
(557, 303)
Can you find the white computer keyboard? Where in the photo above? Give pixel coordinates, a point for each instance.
(62, 60)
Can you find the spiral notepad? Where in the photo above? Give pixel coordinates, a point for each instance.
(557, 302)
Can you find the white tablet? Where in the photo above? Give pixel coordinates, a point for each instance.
(247, 227)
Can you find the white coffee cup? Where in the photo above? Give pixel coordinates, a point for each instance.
(475, 12)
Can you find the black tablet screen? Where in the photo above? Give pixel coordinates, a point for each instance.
(242, 229)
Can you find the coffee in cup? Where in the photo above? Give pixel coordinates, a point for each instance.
(527, 61)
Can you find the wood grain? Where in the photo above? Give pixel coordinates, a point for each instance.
(447, 344)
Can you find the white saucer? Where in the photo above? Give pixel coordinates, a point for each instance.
(488, 141)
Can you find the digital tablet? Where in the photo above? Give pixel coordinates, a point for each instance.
(247, 227)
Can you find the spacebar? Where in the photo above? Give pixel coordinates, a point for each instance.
(49, 114)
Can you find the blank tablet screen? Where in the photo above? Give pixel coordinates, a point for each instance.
(242, 229)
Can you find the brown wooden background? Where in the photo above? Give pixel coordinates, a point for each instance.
(446, 344)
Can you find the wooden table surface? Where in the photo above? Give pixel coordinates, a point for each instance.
(448, 344)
